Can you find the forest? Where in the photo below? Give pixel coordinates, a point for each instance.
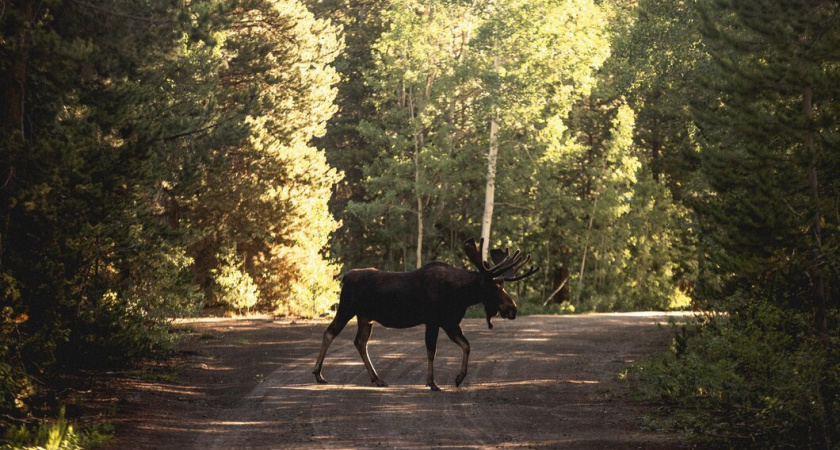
(164, 156)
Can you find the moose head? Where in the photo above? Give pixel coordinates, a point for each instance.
(505, 268)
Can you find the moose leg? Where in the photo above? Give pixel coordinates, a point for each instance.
(454, 332)
(431, 348)
(330, 333)
(362, 337)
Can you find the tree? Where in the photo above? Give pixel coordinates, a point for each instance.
(424, 159)
(146, 148)
(87, 269)
(535, 59)
(265, 193)
(446, 71)
(361, 23)
(767, 141)
(664, 56)
(764, 374)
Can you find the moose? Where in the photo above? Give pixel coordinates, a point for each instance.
(437, 295)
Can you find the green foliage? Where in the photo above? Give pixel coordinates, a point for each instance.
(764, 374)
(615, 225)
(159, 155)
(266, 194)
(150, 138)
(235, 287)
(56, 435)
(756, 378)
(768, 156)
(440, 72)
(15, 386)
(574, 186)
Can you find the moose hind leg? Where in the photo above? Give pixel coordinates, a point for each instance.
(361, 341)
(330, 333)
(457, 336)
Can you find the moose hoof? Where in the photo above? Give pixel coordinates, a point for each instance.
(433, 386)
(460, 379)
(320, 379)
(380, 383)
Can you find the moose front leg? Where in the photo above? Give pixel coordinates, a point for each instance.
(361, 341)
(454, 332)
(431, 348)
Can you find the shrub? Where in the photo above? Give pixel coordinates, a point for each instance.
(755, 378)
(236, 288)
(55, 435)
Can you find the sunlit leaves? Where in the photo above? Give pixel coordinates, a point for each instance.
(265, 193)
(443, 69)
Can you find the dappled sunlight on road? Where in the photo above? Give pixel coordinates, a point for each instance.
(541, 366)
(534, 382)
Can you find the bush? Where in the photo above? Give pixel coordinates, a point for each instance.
(236, 288)
(15, 385)
(755, 378)
(57, 435)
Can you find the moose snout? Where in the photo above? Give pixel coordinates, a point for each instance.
(510, 313)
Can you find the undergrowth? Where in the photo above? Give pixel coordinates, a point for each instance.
(56, 435)
(756, 378)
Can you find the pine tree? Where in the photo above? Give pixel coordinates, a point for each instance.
(769, 157)
(134, 137)
(361, 23)
(768, 140)
(87, 270)
(264, 189)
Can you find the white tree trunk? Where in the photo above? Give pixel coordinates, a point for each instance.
(490, 189)
(417, 147)
(419, 213)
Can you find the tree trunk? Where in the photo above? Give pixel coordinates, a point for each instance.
(579, 290)
(561, 293)
(817, 275)
(13, 95)
(490, 189)
(14, 77)
(418, 144)
(419, 232)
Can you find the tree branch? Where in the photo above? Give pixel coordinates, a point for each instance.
(511, 205)
(123, 15)
(192, 132)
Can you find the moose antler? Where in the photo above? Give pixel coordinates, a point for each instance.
(531, 271)
(504, 266)
(475, 254)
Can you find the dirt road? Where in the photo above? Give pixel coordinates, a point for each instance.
(535, 382)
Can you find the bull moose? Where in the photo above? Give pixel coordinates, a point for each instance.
(436, 295)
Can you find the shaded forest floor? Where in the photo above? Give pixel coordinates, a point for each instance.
(535, 382)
